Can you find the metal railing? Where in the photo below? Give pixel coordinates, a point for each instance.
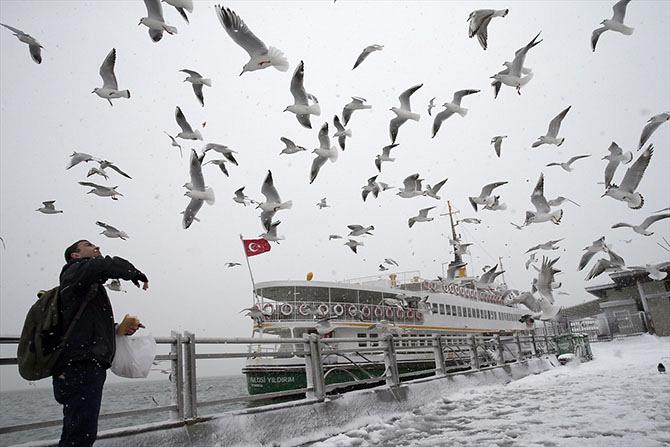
(395, 359)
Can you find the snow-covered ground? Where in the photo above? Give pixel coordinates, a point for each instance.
(618, 399)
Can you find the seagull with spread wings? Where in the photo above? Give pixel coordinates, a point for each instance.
(543, 212)
(197, 190)
(341, 133)
(550, 245)
(366, 52)
(112, 232)
(421, 217)
(479, 22)
(323, 153)
(653, 124)
(291, 147)
(552, 134)
(110, 87)
(301, 106)
(616, 156)
(613, 24)
(642, 228)
(34, 46)
(49, 208)
(260, 56)
(272, 202)
(412, 187)
(450, 108)
(567, 166)
(485, 198)
(384, 156)
(514, 76)
(155, 21)
(404, 112)
(187, 132)
(197, 81)
(631, 180)
(357, 103)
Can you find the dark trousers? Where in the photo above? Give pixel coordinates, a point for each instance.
(79, 389)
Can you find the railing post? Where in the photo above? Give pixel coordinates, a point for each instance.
(391, 362)
(501, 350)
(474, 358)
(314, 367)
(519, 353)
(190, 379)
(177, 376)
(439, 355)
(546, 343)
(532, 339)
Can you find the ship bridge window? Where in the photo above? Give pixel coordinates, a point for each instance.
(449, 310)
(459, 311)
(277, 293)
(468, 311)
(343, 295)
(369, 297)
(441, 309)
(311, 294)
(435, 308)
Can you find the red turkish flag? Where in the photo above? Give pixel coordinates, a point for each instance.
(253, 247)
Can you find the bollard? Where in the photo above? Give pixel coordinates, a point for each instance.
(176, 376)
(474, 358)
(439, 355)
(391, 362)
(190, 379)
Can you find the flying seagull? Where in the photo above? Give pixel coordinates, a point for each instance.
(223, 150)
(187, 132)
(104, 164)
(613, 24)
(550, 245)
(357, 103)
(642, 228)
(470, 220)
(353, 244)
(112, 232)
(552, 133)
(591, 250)
(497, 143)
(385, 156)
(432, 191)
(291, 147)
(497, 83)
(382, 268)
(271, 234)
(260, 56)
(78, 157)
(197, 81)
(366, 52)
(542, 211)
(322, 204)
(232, 264)
(654, 270)
(567, 166)
(431, 106)
(614, 262)
(240, 197)
(653, 124)
(323, 153)
(272, 202)
(371, 187)
(412, 187)
(341, 133)
(221, 164)
(514, 78)
(631, 180)
(181, 6)
(479, 22)
(485, 197)
(34, 46)
(110, 88)
(450, 108)
(559, 200)
(421, 217)
(390, 261)
(616, 156)
(49, 208)
(301, 106)
(98, 171)
(102, 191)
(155, 21)
(360, 230)
(197, 190)
(174, 143)
(404, 112)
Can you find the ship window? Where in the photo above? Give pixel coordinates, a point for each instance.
(469, 312)
(369, 297)
(361, 344)
(434, 308)
(374, 343)
(343, 295)
(478, 313)
(441, 309)
(311, 294)
(450, 310)
(459, 311)
(277, 293)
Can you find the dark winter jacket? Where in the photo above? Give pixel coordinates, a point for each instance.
(92, 338)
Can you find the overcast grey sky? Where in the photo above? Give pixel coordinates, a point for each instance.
(48, 111)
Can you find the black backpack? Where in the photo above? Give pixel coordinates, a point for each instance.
(42, 338)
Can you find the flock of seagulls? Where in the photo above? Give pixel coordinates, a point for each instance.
(306, 107)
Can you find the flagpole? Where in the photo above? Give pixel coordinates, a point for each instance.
(253, 283)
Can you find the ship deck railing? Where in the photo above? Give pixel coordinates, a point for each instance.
(439, 356)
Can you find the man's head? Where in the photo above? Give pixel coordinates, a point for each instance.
(82, 249)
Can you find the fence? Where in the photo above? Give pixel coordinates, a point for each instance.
(320, 359)
(603, 327)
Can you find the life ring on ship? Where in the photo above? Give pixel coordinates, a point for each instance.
(303, 310)
(286, 309)
(419, 315)
(389, 312)
(451, 288)
(378, 312)
(410, 314)
(323, 309)
(365, 311)
(400, 313)
(268, 309)
(351, 310)
(338, 310)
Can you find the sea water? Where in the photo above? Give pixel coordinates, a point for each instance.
(38, 404)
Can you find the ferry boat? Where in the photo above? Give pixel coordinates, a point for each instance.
(367, 308)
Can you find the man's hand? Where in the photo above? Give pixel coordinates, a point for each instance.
(143, 278)
(129, 325)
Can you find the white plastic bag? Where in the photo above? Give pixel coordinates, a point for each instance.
(134, 355)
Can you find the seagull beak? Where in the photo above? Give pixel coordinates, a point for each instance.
(603, 195)
(139, 23)
(242, 73)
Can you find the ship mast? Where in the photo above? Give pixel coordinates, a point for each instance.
(457, 257)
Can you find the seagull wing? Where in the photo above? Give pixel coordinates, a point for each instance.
(633, 175)
(191, 210)
(536, 247)
(107, 71)
(647, 131)
(191, 73)
(586, 257)
(460, 94)
(195, 169)
(520, 56)
(181, 120)
(154, 10)
(316, 166)
(488, 189)
(424, 212)
(386, 150)
(36, 53)
(410, 182)
(119, 171)
(297, 87)
(14, 30)
(610, 169)
(651, 219)
(537, 197)
(92, 185)
(197, 89)
(266, 219)
(404, 97)
(577, 157)
(619, 9)
(615, 259)
(497, 146)
(338, 124)
(394, 125)
(439, 117)
(239, 32)
(555, 124)
(483, 33)
(595, 36)
(378, 163)
(268, 189)
(324, 139)
(435, 189)
(361, 57)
